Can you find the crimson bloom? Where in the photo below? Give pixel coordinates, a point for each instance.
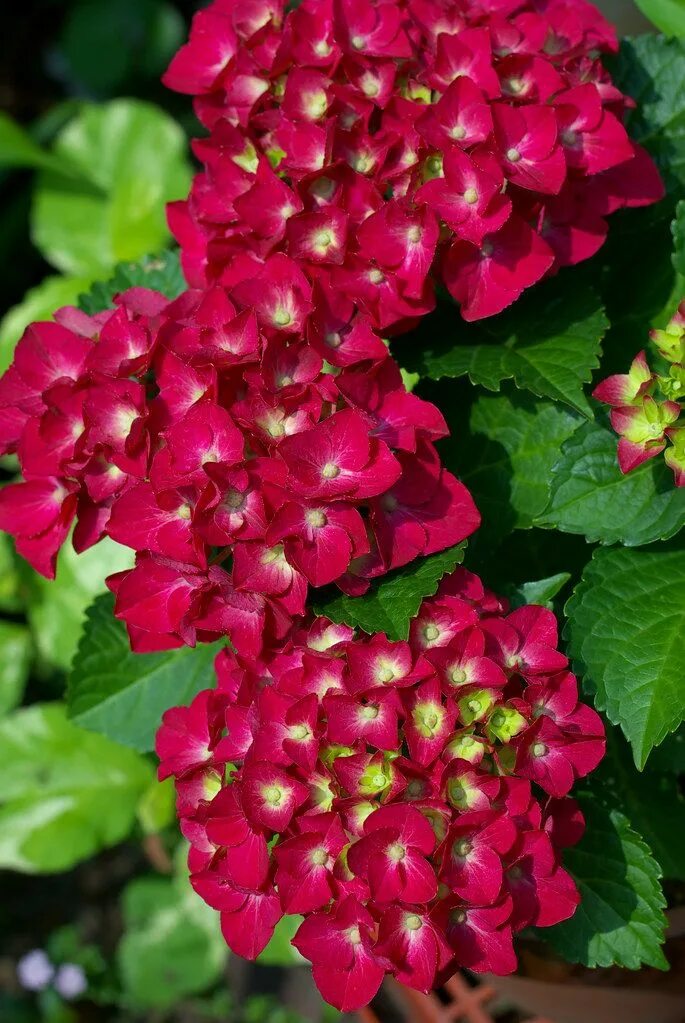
(409, 799)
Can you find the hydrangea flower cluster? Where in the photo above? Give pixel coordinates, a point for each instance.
(647, 406)
(409, 799)
(207, 429)
(389, 145)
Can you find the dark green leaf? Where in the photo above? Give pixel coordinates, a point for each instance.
(650, 799)
(390, 604)
(591, 496)
(651, 69)
(65, 793)
(548, 343)
(123, 695)
(678, 232)
(507, 461)
(148, 32)
(620, 920)
(670, 755)
(160, 273)
(626, 630)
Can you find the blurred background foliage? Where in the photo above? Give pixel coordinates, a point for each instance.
(91, 148)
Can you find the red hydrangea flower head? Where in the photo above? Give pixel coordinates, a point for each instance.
(386, 145)
(211, 438)
(409, 800)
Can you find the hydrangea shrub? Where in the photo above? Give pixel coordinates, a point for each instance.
(388, 749)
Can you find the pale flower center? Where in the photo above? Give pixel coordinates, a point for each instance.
(315, 518)
(282, 317)
(273, 795)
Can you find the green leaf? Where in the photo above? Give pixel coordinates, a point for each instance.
(650, 799)
(11, 596)
(390, 604)
(37, 304)
(157, 806)
(670, 755)
(17, 149)
(507, 461)
(620, 920)
(65, 793)
(678, 232)
(548, 343)
(148, 32)
(542, 591)
(16, 652)
(132, 157)
(591, 496)
(651, 70)
(123, 695)
(279, 951)
(626, 630)
(667, 15)
(172, 945)
(56, 609)
(160, 273)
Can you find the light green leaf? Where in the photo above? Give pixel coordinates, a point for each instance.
(123, 695)
(132, 157)
(37, 304)
(65, 793)
(620, 920)
(11, 595)
(507, 462)
(548, 343)
(160, 273)
(651, 70)
(667, 15)
(590, 495)
(17, 149)
(542, 591)
(57, 608)
(390, 604)
(16, 651)
(172, 945)
(279, 951)
(157, 806)
(626, 630)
